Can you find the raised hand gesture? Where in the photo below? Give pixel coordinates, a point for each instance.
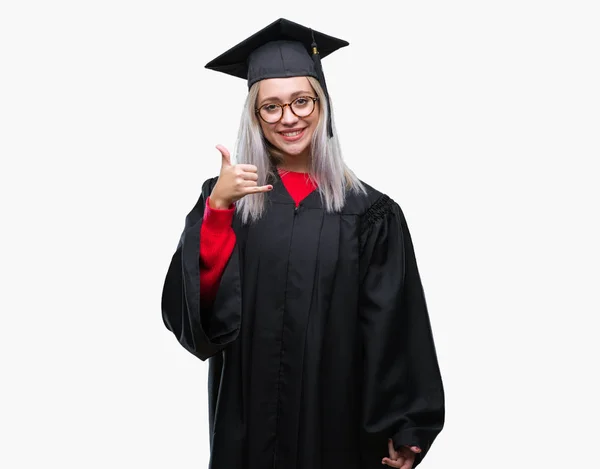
(235, 181)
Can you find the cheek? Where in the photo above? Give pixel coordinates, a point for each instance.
(263, 127)
(267, 132)
(313, 126)
(269, 135)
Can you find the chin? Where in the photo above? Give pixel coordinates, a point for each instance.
(292, 149)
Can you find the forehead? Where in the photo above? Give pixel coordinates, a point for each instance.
(282, 88)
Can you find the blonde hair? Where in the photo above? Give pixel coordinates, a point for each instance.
(327, 167)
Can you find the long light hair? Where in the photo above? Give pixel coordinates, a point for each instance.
(327, 167)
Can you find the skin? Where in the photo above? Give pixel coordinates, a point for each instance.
(281, 91)
(402, 459)
(237, 181)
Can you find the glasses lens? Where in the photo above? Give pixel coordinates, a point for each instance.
(303, 106)
(271, 113)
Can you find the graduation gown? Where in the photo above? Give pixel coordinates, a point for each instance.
(319, 341)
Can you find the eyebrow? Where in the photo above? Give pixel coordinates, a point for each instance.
(292, 96)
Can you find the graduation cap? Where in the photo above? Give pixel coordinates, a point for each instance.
(282, 49)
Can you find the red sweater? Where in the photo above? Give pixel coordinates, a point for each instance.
(218, 238)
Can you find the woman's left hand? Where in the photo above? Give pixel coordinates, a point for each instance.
(402, 459)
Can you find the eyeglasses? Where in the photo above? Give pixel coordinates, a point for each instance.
(301, 107)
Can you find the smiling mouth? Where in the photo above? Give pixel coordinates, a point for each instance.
(292, 134)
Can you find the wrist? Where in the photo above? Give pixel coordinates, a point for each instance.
(219, 204)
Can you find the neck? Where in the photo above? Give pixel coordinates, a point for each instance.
(295, 163)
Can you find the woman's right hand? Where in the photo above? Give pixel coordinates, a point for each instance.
(235, 181)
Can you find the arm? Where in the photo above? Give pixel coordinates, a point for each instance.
(217, 243)
(202, 330)
(403, 391)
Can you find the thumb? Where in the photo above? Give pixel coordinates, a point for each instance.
(415, 449)
(226, 157)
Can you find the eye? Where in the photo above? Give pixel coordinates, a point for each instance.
(303, 101)
(270, 108)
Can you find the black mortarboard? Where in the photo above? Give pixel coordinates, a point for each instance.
(282, 49)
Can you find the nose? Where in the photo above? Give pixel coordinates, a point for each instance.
(288, 116)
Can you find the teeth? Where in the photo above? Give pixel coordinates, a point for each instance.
(291, 134)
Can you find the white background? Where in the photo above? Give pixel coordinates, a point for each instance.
(480, 118)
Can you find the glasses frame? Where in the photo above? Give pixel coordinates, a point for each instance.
(282, 107)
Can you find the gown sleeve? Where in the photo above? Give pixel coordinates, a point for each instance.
(202, 328)
(403, 395)
(217, 243)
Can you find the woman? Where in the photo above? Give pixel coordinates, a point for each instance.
(299, 283)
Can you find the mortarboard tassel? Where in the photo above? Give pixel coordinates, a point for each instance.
(319, 69)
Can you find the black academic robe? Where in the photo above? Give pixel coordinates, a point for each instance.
(319, 341)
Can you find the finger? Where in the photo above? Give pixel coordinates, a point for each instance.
(249, 176)
(247, 167)
(225, 156)
(408, 456)
(415, 449)
(243, 183)
(392, 463)
(393, 453)
(408, 461)
(240, 181)
(254, 190)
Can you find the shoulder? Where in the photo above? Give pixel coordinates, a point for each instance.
(369, 204)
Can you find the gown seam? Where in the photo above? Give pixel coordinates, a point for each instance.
(287, 277)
